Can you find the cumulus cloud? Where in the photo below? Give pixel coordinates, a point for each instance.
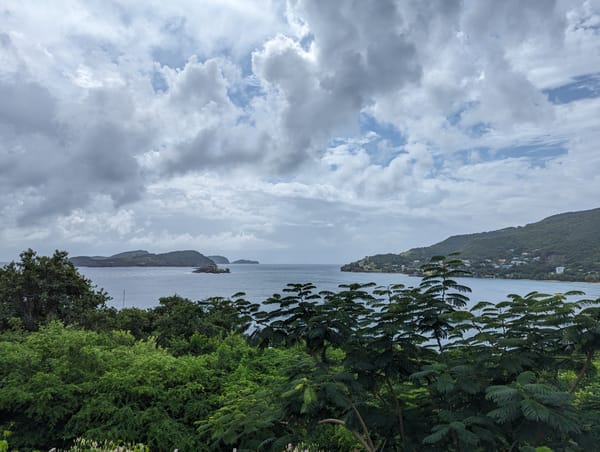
(54, 165)
(250, 123)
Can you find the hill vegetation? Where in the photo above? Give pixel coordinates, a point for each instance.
(564, 247)
(142, 258)
(361, 368)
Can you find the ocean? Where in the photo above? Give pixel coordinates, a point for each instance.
(141, 287)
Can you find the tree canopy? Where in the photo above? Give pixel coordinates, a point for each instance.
(368, 368)
(38, 289)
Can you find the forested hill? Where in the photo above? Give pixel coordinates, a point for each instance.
(141, 258)
(564, 246)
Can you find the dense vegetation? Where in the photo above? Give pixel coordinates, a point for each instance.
(569, 241)
(142, 258)
(368, 368)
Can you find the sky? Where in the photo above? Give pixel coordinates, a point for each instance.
(292, 132)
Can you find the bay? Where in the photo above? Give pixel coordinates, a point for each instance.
(141, 287)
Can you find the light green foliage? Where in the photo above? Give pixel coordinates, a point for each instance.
(250, 416)
(62, 383)
(86, 445)
(4, 441)
(390, 368)
(185, 326)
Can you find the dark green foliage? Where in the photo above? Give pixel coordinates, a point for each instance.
(183, 325)
(62, 383)
(139, 322)
(440, 296)
(229, 315)
(374, 368)
(39, 288)
(177, 319)
(141, 258)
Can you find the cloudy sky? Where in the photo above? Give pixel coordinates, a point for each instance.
(292, 132)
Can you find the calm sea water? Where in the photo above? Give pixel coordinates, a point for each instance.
(142, 287)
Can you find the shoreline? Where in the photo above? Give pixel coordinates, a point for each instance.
(416, 275)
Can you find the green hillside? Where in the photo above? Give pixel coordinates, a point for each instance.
(564, 246)
(141, 258)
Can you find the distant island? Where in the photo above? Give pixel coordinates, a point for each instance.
(561, 247)
(143, 258)
(219, 259)
(224, 260)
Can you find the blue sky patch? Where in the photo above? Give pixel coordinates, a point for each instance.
(582, 87)
(243, 93)
(455, 117)
(169, 56)
(337, 141)
(245, 119)
(537, 154)
(175, 52)
(388, 143)
(380, 154)
(306, 41)
(159, 83)
(474, 131)
(386, 131)
(478, 130)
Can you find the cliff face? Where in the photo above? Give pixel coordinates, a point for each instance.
(141, 258)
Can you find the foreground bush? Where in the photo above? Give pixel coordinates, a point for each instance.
(390, 368)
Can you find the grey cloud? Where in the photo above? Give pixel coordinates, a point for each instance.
(5, 40)
(99, 162)
(198, 84)
(27, 107)
(9, 57)
(470, 54)
(494, 29)
(218, 148)
(364, 47)
(306, 113)
(509, 99)
(359, 50)
(511, 22)
(28, 131)
(433, 70)
(54, 166)
(107, 155)
(281, 63)
(26, 161)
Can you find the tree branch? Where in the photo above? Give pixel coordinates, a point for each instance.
(589, 356)
(364, 426)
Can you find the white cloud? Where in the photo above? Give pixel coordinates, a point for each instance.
(300, 130)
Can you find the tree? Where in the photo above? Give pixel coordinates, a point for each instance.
(441, 295)
(40, 288)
